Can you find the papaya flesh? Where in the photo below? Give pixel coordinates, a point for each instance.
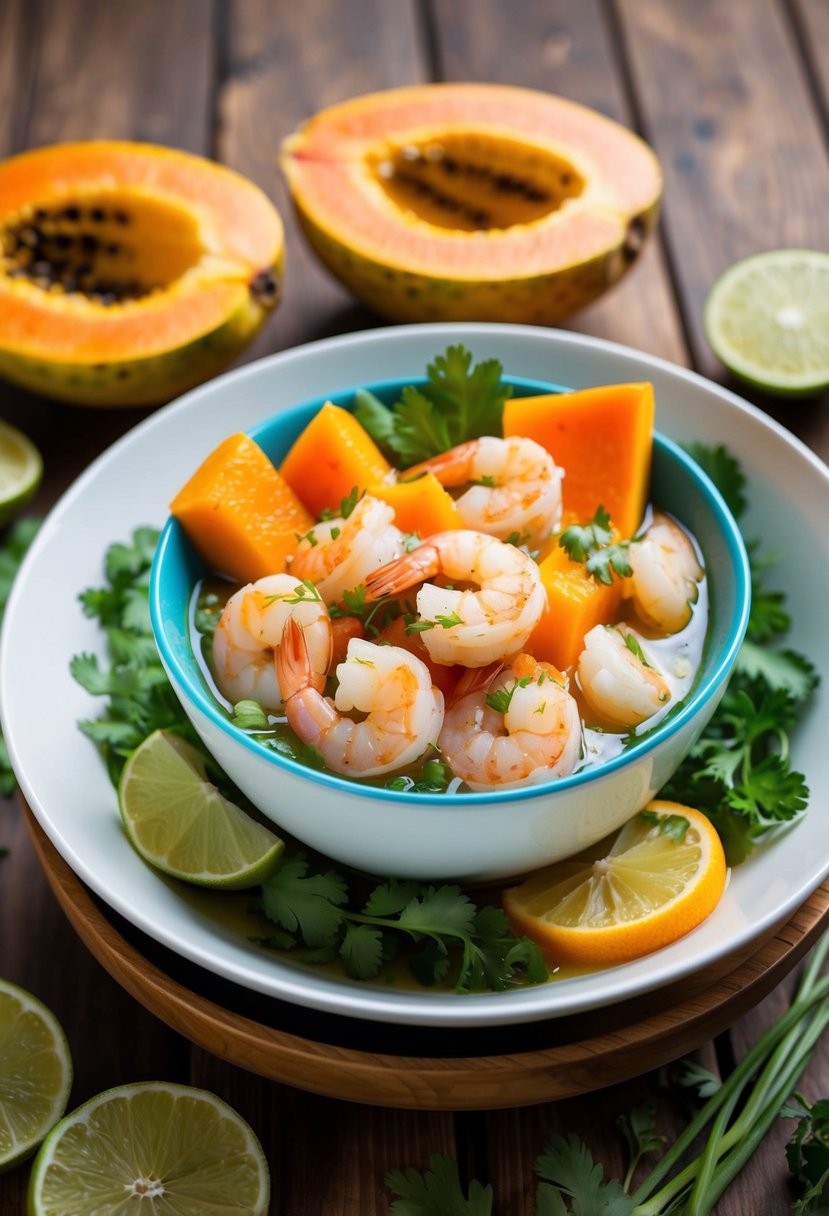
(472, 201)
(129, 272)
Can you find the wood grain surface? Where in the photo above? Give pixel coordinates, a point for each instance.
(733, 96)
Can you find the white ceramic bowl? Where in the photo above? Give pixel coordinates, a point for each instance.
(471, 837)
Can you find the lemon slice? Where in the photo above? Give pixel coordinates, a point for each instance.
(150, 1148)
(767, 319)
(35, 1073)
(21, 469)
(658, 881)
(179, 822)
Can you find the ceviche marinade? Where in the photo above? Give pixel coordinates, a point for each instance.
(463, 621)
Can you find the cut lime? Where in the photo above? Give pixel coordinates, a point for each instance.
(21, 469)
(150, 1148)
(180, 823)
(35, 1073)
(767, 319)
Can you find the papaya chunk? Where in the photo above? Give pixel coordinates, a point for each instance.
(421, 506)
(602, 438)
(330, 457)
(575, 603)
(240, 513)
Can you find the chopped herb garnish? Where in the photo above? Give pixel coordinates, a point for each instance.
(501, 699)
(420, 626)
(675, 826)
(347, 506)
(305, 592)
(593, 544)
(457, 402)
(335, 532)
(486, 481)
(635, 647)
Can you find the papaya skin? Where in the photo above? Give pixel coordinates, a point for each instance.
(150, 270)
(548, 252)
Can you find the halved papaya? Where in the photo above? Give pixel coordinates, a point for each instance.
(129, 272)
(472, 201)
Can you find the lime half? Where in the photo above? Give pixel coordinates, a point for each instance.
(150, 1148)
(21, 469)
(35, 1073)
(180, 823)
(767, 319)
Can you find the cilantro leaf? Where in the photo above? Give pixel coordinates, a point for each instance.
(362, 951)
(807, 1154)
(593, 544)
(569, 1165)
(390, 898)
(437, 1191)
(694, 1076)
(457, 402)
(639, 1130)
(673, 826)
(725, 472)
(781, 670)
(17, 540)
(8, 781)
(295, 900)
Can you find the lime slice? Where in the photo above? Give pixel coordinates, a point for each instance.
(35, 1073)
(180, 823)
(767, 319)
(150, 1148)
(21, 469)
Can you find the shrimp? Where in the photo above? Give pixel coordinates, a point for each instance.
(468, 626)
(533, 735)
(665, 575)
(251, 626)
(517, 490)
(337, 554)
(618, 679)
(392, 687)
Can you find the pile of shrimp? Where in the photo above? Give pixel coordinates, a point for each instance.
(451, 675)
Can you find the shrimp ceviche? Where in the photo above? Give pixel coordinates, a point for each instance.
(431, 602)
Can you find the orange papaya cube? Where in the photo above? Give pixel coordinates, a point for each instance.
(421, 506)
(331, 456)
(603, 439)
(240, 513)
(575, 603)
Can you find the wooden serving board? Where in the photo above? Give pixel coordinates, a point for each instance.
(422, 1067)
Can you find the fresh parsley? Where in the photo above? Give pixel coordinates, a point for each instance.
(347, 506)
(733, 1121)
(593, 544)
(457, 402)
(12, 551)
(444, 935)
(739, 772)
(139, 697)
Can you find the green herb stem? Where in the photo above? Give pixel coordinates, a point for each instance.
(650, 1204)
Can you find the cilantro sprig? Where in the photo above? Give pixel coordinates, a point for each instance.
(139, 697)
(457, 402)
(445, 936)
(735, 1117)
(593, 544)
(12, 551)
(740, 772)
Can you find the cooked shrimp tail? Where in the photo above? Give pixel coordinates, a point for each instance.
(475, 679)
(514, 486)
(470, 626)
(404, 572)
(402, 713)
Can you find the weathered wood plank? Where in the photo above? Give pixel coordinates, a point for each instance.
(280, 69)
(327, 1158)
(565, 47)
(812, 23)
(744, 154)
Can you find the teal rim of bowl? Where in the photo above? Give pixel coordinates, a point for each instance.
(190, 678)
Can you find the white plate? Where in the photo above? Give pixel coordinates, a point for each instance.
(130, 484)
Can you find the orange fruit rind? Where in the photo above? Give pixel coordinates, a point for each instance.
(647, 891)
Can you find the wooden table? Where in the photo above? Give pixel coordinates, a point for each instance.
(734, 97)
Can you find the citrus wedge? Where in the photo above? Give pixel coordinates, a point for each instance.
(659, 880)
(150, 1148)
(179, 822)
(767, 319)
(21, 469)
(35, 1073)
